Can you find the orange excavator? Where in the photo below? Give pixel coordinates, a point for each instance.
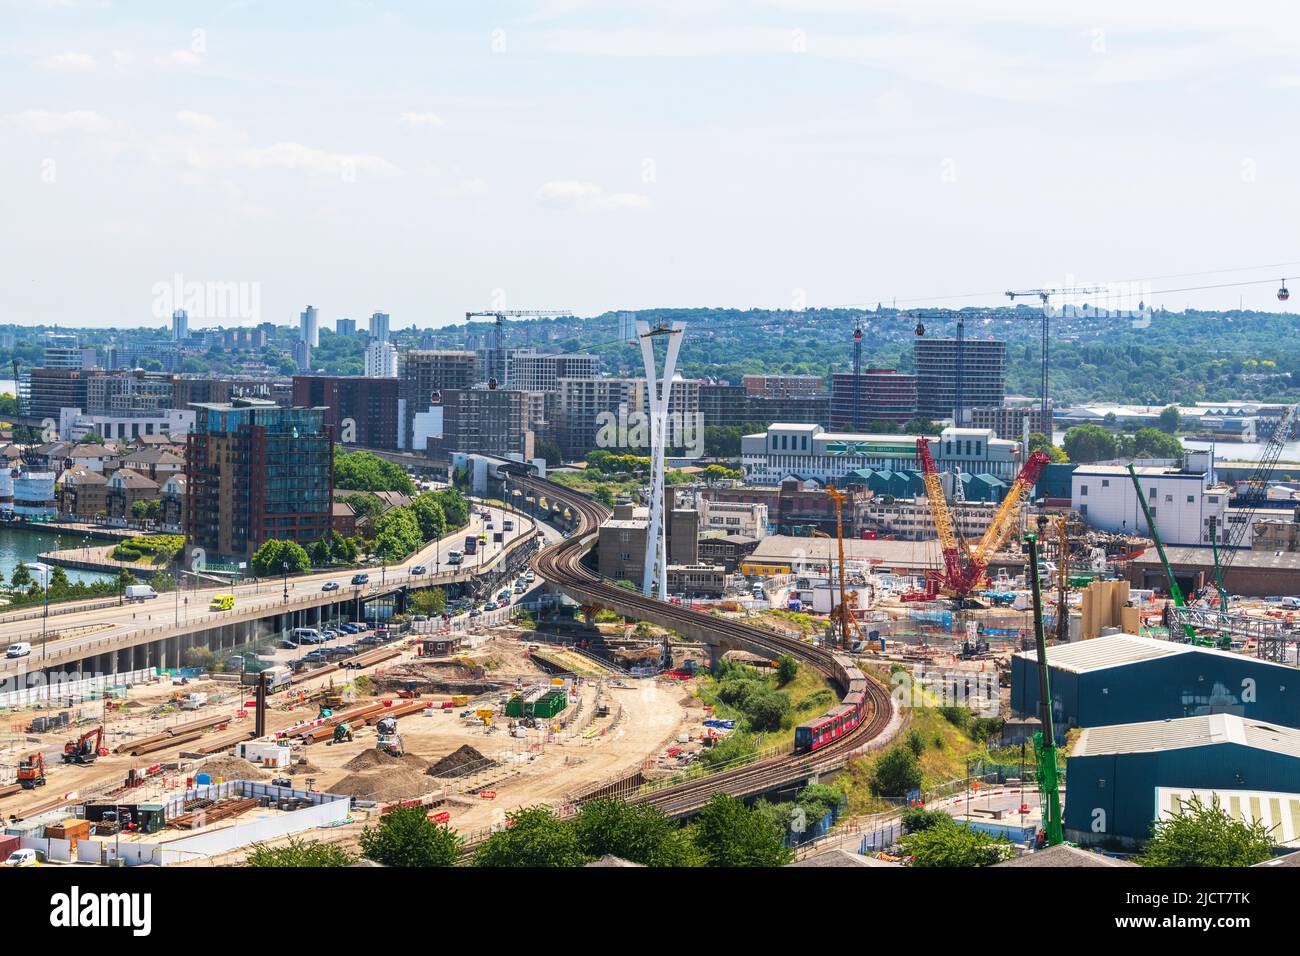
(31, 771)
(86, 748)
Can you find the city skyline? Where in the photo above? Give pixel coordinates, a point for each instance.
(556, 155)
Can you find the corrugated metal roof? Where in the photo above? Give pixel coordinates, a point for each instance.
(1184, 732)
(1111, 650)
(1116, 650)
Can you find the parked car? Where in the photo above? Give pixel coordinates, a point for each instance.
(22, 858)
(349, 628)
(319, 654)
(330, 586)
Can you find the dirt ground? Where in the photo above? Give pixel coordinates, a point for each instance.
(547, 764)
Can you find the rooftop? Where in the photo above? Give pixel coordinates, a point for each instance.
(1117, 650)
(1184, 732)
(909, 553)
(1244, 558)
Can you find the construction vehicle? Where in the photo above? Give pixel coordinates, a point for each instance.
(1175, 591)
(410, 690)
(31, 771)
(391, 744)
(86, 748)
(964, 568)
(1049, 787)
(329, 703)
(844, 624)
(342, 732)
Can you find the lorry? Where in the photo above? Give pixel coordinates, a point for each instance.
(193, 701)
(140, 592)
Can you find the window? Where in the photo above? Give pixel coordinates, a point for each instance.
(1083, 510)
(1169, 499)
(1191, 499)
(1083, 491)
(1105, 482)
(1151, 494)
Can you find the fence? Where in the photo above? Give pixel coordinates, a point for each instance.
(88, 687)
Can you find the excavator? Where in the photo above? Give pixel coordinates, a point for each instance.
(85, 749)
(391, 744)
(31, 771)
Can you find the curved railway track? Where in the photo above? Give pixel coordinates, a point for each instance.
(561, 564)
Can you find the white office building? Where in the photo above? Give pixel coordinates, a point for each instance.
(809, 452)
(733, 517)
(74, 424)
(381, 359)
(1182, 500)
(309, 328)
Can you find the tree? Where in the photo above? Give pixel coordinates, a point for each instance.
(602, 494)
(276, 557)
(1204, 835)
(150, 510)
(920, 425)
(1087, 443)
(1040, 442)
(636, 832)
(1154, 443)
(124, 580)
(533, 837)
(896, 773)
(429, 515)
(22, 576)
(397, 534)
(766, 709)
(320, 554)
(546, 448)
(363, 471)
(59, 582)
(406, 837)
(949, 843)
(454, 507)
(714, 473)
(299, 853)
(430, 601)
(729, 834)
(786, 669)
(1170, 419)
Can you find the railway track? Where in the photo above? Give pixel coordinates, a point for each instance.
(561, 564)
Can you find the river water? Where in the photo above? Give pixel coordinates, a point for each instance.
(25, 544)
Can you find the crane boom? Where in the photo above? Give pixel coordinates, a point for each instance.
(943, 523)
(1175, 591)
(999, 529)
(1049, 788)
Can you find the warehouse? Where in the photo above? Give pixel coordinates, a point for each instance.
(1116, 777)
(1122, 679)
(786, 554)
(1252, 573)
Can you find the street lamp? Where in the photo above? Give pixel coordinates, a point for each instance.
(284, 567)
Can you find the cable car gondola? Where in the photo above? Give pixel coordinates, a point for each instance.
(920, 328)
(1283, 293)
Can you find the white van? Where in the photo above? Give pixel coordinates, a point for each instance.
(307, 635)
(21, 649)
(1292, 603)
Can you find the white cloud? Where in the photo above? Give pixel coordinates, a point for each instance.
(69, 62)
(574, 194)
(422, 119)
(178, 59)
(46, 123)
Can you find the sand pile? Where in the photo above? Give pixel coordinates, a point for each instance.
(464, 760)
(385, 785)
(233, 768)
(303, 766)
(375, 758)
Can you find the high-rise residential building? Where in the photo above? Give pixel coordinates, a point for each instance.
(881, 395)
(123, 393)
(379, 326)
(308, 328)
(255, 471)
(345, 327)
(584, 404)
(538, 371)
(187, 391)
(483, 421)
(180, 325)
(69, 357)
(45, 392)
(381, 359)
(424, 375)
(982, 375)
(805, 409)
(782, 386)
(361, 411)
(302, 355)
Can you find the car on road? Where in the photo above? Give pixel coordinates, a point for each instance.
(360, 579)
(490, 606)
(475, 612)
(419, 569)
(21, 649)
(330, 586)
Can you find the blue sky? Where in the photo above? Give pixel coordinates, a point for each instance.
(428, 158)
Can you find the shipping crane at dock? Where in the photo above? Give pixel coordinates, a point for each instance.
(964, 567)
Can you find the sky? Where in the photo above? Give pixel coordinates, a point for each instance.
(425, 159)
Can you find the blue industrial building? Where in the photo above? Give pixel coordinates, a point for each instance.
(1125, 679)
(1119, 778)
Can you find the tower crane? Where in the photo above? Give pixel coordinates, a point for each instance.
(841, 612)
(964, 567)
(1045, 296)
(500, 315)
